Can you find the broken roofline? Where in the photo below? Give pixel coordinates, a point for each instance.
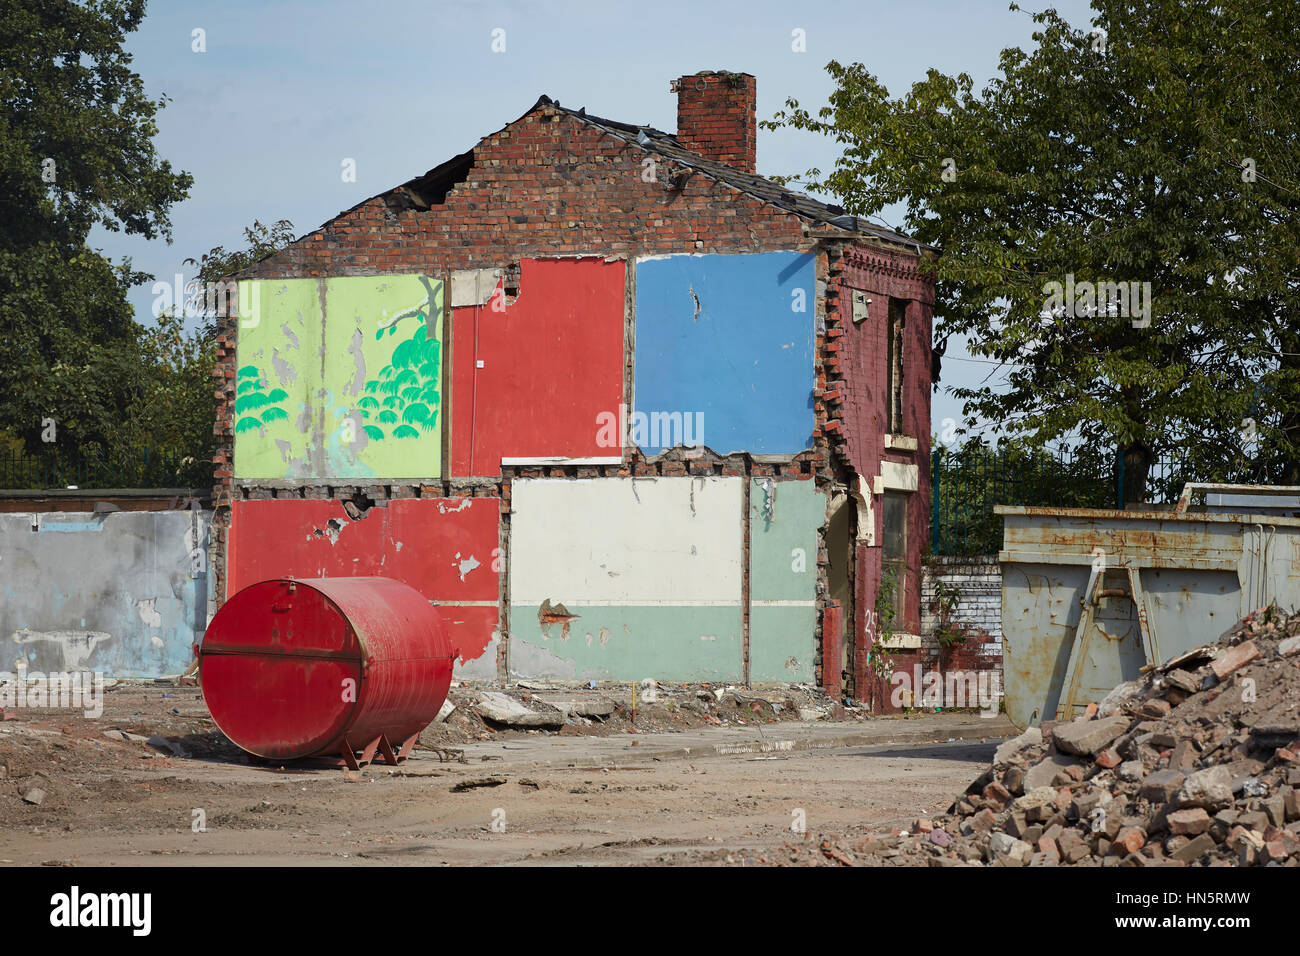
(431, 188)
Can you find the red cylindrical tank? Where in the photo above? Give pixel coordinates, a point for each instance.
(295, 668)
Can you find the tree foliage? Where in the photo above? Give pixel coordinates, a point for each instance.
(76, 151)
(173, 397)
(1156, 145)
(218, 263)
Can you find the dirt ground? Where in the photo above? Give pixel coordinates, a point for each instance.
(152, 781)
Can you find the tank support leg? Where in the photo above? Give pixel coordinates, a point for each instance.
(348, 752)
(349, 756)
(407, 746)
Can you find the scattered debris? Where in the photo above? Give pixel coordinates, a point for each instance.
(1194, 763)
(599, 708)
(500, 709)
(159, 742)
(124, 736)
(475, 784)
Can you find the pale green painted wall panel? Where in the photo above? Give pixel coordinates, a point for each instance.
(629, 643)
(783, 539)
(278, 372)
(782, 644)
(784, 519)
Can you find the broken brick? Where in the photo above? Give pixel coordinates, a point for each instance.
(1190, 822)
(1109, 758)
(1194, 849)
(1129, 840)
(1234, 659)
(1276, 850)
(1155, 708)
(1047, 847)
(995, 793)
(1161, 786)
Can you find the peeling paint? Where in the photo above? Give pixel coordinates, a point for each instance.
(359, 364)
(148, 611)
(429, 543)
(549, 614)
(331, 530)
(74, 647)
(285, 371)
(466, 566)
(118, 592)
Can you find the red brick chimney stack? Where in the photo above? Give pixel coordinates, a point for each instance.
(715, 116)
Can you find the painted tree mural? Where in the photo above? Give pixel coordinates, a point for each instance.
(256, 403)
(404, 400)
(340, 378)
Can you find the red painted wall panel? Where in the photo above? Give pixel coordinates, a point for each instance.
(442, 547)
(552, 362)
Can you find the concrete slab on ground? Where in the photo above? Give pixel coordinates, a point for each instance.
(626, 749)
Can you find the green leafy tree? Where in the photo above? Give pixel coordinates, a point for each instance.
(1156, 145)
(173, 398)
(76, 151)
(218, 264)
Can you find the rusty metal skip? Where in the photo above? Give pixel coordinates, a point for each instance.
(1071, 628)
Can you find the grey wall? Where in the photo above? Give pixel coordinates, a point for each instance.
(978, 583)
(123, 592)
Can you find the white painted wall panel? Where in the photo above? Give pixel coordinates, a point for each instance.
(612, 541)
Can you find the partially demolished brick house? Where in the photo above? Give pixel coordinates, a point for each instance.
(621, 407)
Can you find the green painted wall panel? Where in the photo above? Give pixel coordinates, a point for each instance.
(784, 517)
(340, 378)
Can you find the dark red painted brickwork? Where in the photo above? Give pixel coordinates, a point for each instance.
(832, 621)
(552, 361)
(972, 654)
(856, 387)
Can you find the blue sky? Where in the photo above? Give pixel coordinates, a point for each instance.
(285, 91)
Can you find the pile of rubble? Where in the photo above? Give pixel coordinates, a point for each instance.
(1195, 763)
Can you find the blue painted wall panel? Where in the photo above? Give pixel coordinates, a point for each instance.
(728, 338)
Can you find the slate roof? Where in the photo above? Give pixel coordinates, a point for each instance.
(666, 145)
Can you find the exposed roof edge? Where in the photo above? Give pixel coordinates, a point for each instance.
(751, 184)
(431, 188)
